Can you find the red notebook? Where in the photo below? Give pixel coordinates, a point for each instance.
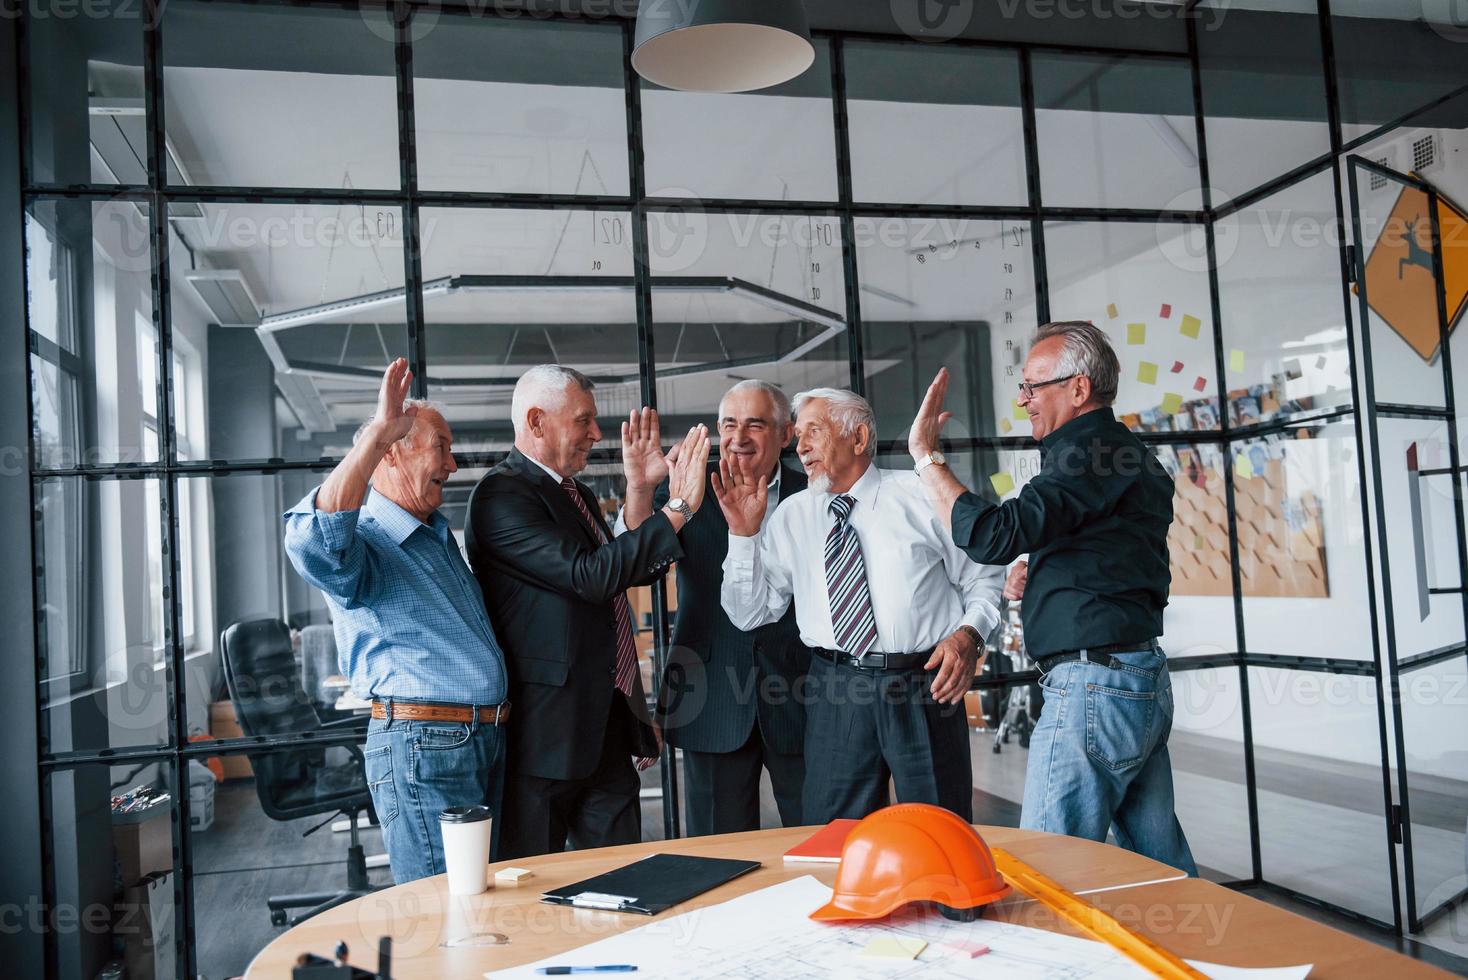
(824, 845)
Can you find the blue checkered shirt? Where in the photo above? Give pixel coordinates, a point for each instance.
(409, 615)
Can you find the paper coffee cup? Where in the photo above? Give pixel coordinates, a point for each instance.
(466, 832)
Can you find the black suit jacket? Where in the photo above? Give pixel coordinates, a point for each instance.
(720, 679)
(549, 586)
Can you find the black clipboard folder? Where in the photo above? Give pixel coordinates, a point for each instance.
(651, 885)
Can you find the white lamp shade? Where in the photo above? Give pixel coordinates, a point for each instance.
(721, 45)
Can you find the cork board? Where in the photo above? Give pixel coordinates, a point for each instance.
(1281, 538)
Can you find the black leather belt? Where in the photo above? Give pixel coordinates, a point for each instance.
(874, 661)
(1097, 655)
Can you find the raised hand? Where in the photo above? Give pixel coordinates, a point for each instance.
(643, 461)
(392, 421)
(687, 462)
(742, 496)
(922, 438)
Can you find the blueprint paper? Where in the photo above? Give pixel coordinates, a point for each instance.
(768, 933)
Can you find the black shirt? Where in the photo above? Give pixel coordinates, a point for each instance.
(1094, 520)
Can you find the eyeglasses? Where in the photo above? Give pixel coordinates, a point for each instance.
(1027, 388)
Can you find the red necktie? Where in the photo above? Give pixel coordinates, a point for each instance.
(626, 645)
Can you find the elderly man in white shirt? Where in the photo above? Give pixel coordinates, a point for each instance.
(894, 613)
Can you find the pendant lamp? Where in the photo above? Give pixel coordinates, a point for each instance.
(721, 45)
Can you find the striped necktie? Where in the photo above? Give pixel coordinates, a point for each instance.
(846, 583)
(626, 646)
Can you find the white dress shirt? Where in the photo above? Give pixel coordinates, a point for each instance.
(922, 586)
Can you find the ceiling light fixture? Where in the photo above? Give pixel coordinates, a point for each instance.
(721, 45)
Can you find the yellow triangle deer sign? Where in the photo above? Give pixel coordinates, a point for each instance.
(1399, 274)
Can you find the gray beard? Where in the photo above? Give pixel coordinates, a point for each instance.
(820, 484)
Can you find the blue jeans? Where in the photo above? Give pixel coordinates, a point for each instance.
(1098, 757)
(417, 768)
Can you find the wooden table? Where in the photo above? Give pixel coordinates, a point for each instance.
(1193, 918)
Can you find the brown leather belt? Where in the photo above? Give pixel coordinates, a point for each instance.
(494, 714)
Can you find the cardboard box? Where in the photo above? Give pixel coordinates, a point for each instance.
(145, 922)
(223, 724)
(143, 843)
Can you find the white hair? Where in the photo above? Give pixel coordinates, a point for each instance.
(777, 396)
(543, 386)
(418, 404)
(1085, 352)
(848, 410)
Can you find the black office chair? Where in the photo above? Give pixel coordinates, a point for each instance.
(265, 686)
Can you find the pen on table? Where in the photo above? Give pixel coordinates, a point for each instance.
(559, 971)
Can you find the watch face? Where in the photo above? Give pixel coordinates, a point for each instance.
(938, 457)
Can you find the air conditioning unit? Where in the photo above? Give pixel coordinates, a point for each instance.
(119, 135)
(227, 295)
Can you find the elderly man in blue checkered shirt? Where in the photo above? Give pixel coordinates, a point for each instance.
(411, 627)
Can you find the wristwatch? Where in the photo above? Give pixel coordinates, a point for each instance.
(978, 640)
(681, 506)
(932, 457)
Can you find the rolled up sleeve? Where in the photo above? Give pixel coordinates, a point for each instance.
(325, 550)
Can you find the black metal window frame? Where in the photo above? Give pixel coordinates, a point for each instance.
(409, 198)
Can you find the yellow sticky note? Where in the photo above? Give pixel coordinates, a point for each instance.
(1020, 414)
(512, 876)
(1190, 326)
(1003, 483)
(1243, 466)
(1235, 360)
(895, 947)
(1136, 333)
(1171, 402)
(1004, 426)
(1147, 373)
(1111, 310)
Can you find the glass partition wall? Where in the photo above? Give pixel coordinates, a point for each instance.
(211, 300)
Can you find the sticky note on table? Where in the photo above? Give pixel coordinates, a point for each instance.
(1147, 373)
(1190, 326)
(1136, 333)
(1320, 362)
(1171, 403)
(895, 947)
(1111, 310)
(1177, 367)
(512, 876)
(1243, 466)
(1166, 311)
(959, 949)
(1235, 360)
(1200, 384)
(1020, 414)
(1003, 483)
(1005, 426)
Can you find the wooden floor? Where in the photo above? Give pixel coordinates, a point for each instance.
(1321, 834)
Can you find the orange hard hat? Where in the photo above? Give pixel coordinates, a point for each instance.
(913, 852)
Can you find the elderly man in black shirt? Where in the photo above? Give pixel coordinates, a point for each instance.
(1094, 521)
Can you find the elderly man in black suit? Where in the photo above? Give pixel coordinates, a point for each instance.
(730, 699)
(554, 581)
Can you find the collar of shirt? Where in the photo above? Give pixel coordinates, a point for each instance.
(864, 490)
(548, 471)
(1079, 426)
(397, 522)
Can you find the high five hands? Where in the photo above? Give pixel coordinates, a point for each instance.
(392, 421)
(645, 465)
(922, 438)
(742, 495)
